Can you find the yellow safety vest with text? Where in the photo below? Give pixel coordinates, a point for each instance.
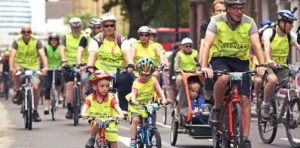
(280, 49)
(72, 44)
(187, 61)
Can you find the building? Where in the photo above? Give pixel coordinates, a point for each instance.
(15, 13)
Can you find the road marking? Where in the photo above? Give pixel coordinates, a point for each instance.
(163, 125)
(286, 139)
(6, 138)
(124, 140)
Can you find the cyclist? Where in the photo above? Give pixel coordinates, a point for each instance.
(185, 60)
(228, 37)
(102, 106)
(54, 62)
(145, 48)
(68, 52)
(26, 53)
(109, 53)
(276, 53)
(82, 54)
(4, 69)
(218, 7)
(143, 90)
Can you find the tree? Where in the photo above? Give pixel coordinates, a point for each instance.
(85, 18)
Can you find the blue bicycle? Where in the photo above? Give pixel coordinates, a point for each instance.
(147, 134)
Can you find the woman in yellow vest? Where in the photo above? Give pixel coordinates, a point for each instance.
(185, 60)
(102, 106)
(143, 92)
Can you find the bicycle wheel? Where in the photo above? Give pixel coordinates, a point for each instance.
(155, 139)
(174, 132)
(139, 143)
(29, 109)
(267, 127)
(53, 104)
(292, 122)
(75, 105)
(224, 139)
(215, 137)
(238, 137)
(6, 88)
(165, 108)
(24, 112)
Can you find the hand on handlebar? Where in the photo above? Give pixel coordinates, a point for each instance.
(44, 71)
(134, 102)
(260, 70)
(208, 72)
(272, 64)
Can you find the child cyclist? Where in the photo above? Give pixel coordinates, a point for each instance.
(144, 90)
(102, 106)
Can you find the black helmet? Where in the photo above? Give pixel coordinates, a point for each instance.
(53, 36)
(235, 2)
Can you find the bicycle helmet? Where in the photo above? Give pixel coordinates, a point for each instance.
(186, 41)
(94, 22)
(53, 36)
(286, 16)
(95, 77)
(75, 22)
(235, 2)
(146, 66)
(144, 29)
(153, 31)
(108, 17)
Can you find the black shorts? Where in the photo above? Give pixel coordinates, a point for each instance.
(234, 65)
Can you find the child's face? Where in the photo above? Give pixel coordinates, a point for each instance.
(145, 78)
(103, 87)
(194, 90)
(187, 48)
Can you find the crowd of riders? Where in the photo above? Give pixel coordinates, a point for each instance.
(134, 65)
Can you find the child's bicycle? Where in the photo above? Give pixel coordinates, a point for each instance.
(101, 141)
(231, 126)
(147, 134)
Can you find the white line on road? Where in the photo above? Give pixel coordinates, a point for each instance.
(286, 139)
(5, 139)
(163, 125)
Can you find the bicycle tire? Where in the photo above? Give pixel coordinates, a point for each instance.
(24, 112)
(139, 143)
(174, 132)
(29, 108)
(165, 115)
(6, 88)
(53, 104)
(215, 138)
(292, 123)
(238, 140)
(75, 105)
(225, 141)
(154, 133)
(263, 123)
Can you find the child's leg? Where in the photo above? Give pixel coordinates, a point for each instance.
(94, 130)
(134, 123)
(113, 144)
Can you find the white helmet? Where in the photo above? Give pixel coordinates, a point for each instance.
(144, 29)
(186, 41)
(94, 22)
(75, 22)
(108, 17)
(153, 31)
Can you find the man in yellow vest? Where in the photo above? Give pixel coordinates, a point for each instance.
(68, 53)
(276, 43)
(229, 36)
(26, 53)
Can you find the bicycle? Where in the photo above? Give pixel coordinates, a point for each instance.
(290, 107)
(146, 130)
(164, 82)
(101, 141)
(231, 126)
(53, 94)
(28, 100)
(7, 84)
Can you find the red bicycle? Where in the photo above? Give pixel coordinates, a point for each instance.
(231, 126)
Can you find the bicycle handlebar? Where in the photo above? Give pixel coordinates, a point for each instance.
(28, 72)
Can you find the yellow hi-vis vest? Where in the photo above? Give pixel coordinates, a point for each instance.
(27, 55)
(280, 49)
(72, 44)
(148, 52)
(229, 43)
(188, 62)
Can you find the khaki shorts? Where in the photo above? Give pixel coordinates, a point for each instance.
(282, 74)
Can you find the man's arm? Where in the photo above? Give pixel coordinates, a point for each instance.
(125, 48)
(176, 62)
(81, 47)
(43, 57)
(93, 52)
(209, 39)
(254, 39)
(12, 55)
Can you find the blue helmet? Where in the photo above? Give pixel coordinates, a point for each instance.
(286, 16)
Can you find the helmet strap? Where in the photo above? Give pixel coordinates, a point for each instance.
(282, 29)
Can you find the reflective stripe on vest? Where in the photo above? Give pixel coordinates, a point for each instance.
(228, 43)
(280, 49)
(27, 54)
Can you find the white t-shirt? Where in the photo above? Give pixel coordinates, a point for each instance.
(267, 34)
(94, 46)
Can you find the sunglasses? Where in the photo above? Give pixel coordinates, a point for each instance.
(188, 46)
(109, 25)
(26, 32)
(144, 35)
(96, 27)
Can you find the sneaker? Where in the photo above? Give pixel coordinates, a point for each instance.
(69, 115)
(16, 99)
(132, 144)
(36, 117)
(46, 112)
(247, 143)
(214, 117)
(206, 109)
(265, 110)
(90, 143)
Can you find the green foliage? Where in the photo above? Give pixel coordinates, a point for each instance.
(85, 18)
